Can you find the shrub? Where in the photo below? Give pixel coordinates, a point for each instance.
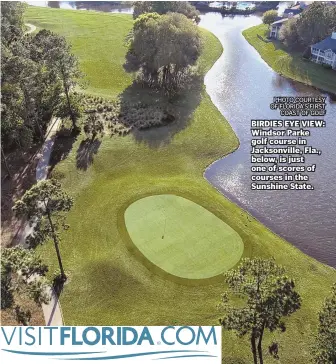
(56, 174)
(270, 17)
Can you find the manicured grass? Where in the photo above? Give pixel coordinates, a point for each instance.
(109, 45)
(287, 63)
(108, 284)
(181, 237)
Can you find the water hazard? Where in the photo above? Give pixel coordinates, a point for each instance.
(242, 86)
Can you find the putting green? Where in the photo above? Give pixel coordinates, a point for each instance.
(182, 237)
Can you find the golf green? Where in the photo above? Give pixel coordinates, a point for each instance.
(182, 237)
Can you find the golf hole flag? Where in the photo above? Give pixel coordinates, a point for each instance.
(124, 344)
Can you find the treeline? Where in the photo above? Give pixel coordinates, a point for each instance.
(38, 76)
(23, 273)
(315, 23)
(164, 7)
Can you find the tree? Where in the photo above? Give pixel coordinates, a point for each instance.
(18, 90)
(12, 21)
(166, 47)
(316, 22)
(270, 17)
(16, 75)
(18, 87)
(62, 109)
(269, 296)
(141, 7)
(93, 125)
(45, 205)
(289, 34)
(30, 86)
(325, 348)
(22, 274)
(164, 7)
(54, 51)
(4, 160)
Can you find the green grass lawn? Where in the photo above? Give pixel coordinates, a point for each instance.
(289, 64)
(181, 237)
(109, 46)
(108, 284)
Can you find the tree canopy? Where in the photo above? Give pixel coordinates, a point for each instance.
(289, 34)
(12, 21)
(164, 7)
(315, 23)
(325, 349)
(37, 72)
(270, 16)
(45, 205)
(53, 51)
(165, 47)
(268, 295)
(22, 274)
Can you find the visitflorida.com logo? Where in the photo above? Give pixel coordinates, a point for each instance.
(121, 344)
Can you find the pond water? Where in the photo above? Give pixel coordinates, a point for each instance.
(240, 5)
(105, 6)
(242, 86)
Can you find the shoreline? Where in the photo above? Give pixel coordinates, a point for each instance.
(252, 212)
(248, 37)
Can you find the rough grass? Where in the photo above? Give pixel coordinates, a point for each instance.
(181, 237)
(288, 63)
(109, 48)
(109, 285)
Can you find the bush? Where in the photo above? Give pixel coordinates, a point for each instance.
(270, 17)
(56, 174)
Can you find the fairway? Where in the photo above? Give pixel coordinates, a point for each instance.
(108, 283)
(181, 237)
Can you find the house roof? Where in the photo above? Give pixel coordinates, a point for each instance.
(328, 43)
(292, 10)
(279, 22)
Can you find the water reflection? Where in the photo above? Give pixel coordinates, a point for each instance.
(242, 86)
(283, 5)
(53, 4)
(104, 6)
